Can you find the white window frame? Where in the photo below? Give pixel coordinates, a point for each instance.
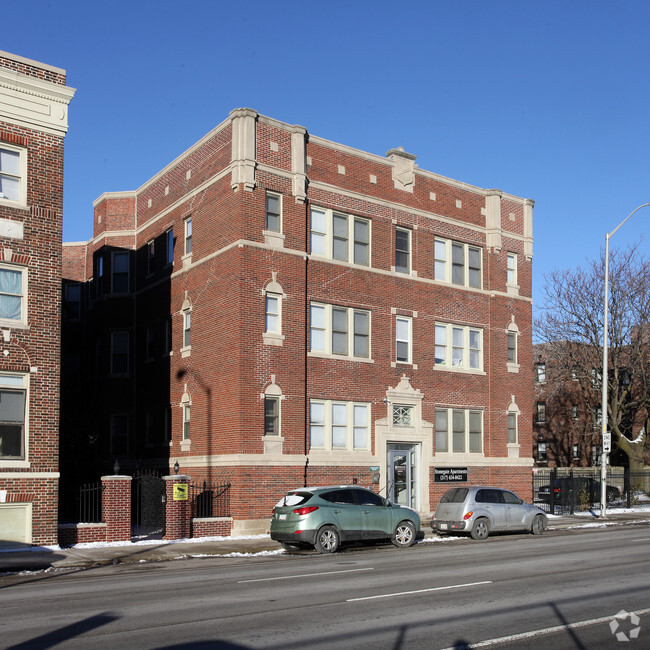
(511, 269)
(272, 317)
(445, 251)
(187, 330)
(323, 238)
(274, 417)
(268, 212)
(186, 417)
(125, 335)
(540, 372)
(448, 438)
(21, 176)
(333, 432)
(187, 238)
(513, 427)
(114, 256)
(17, 383)
(448, 349)
(326, 325)
(512, 348)
(407, 342)
(401, 269)
(13, 322)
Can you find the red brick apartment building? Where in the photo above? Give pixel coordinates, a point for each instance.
(34, 103)
(274, 309)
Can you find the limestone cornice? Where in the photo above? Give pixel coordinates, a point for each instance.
(34, 103)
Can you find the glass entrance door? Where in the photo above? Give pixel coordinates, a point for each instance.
(401, 476)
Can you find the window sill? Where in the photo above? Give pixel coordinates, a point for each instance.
(18, 205)
(324, 355)
(270, 338)
(466, 371)
(273, 238)
(512, 289)
(185, 445)
(6, 323)
(513, 367)
(185, 352)
(394, 364)
(15, 464)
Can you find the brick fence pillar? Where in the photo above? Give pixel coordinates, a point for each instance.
(177, 511)
(116, 507)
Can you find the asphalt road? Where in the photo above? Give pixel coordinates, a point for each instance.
(562, 590)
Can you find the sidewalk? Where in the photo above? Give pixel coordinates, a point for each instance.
(84, 556)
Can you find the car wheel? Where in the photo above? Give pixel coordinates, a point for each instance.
(327, 540)
(538, 526)
(480, 529)
(404, 535)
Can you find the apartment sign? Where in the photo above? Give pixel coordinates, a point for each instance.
(450, 474)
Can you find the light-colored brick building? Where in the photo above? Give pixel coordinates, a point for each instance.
(274, 309)
(34, 103)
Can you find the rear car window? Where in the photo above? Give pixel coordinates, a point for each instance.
(455, 495)
(294, 499)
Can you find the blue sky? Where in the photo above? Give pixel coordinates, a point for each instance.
(547, 100)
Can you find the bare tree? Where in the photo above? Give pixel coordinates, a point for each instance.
(570, 327)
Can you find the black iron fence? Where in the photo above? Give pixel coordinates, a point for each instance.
(81, 504)
(210, 499)
(569, 490)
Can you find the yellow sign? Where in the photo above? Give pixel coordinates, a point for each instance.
(181, 491)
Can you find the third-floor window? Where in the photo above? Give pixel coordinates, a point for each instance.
(340, 236)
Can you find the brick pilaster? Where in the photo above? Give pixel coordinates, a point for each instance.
(177, 513)
(116, 507)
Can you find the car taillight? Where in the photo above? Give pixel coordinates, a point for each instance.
(468, 515)
(305, 511)
(556, 490)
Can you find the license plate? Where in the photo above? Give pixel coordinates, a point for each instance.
(282, 516)
(443, 526)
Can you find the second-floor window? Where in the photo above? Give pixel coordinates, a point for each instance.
(119, 353)
(12, 294)
(72, 302)
(458, 347)
(402, 250)
(459, 431)
(458, 263)
(403, 339)
(339, 331)
(272, 318)
(512, 427)
(512, 347)
(271, 415)
(339, 425)
(188, 235)
(340, 236)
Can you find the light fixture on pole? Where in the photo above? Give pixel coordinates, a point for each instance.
(604, 419)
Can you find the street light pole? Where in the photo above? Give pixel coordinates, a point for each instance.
(603, 414)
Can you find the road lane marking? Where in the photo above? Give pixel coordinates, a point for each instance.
(419, 591)
(545, 631)
(305, 575)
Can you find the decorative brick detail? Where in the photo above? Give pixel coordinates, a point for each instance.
(116, 507)
(177, 513)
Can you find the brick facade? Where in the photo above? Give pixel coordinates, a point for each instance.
(232, 364)
(34, 102)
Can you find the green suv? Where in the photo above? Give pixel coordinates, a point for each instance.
(325, 517)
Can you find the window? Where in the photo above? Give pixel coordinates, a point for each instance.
(512, 347)
(119, 434)
(541, 452)
(188, 235)
(272, 317)
(458, 347)
(598, 416)
(574, 412)
(150, 343)
(271, 415)
(169, 235)
(339, 425)
(576, 452)
(120, 277)
(540, 372)
(12, 174)
(457, 263)
(99, 275)
(402, 250)
(402, 415)
(512, 427)
(403, 326)
(187, 324)
(186, 421)
(459, 431)
(119, 353)
(339, 330)
(541, 412)
(13, 399)
(511, 269)
(340, 236)
(596, 378)
(71, 301)
(273, 212)
(13, 291)
(151, 257)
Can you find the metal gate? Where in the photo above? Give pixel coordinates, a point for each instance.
(147, 505)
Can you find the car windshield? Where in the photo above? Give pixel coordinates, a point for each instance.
(294, 499)
(455, 495)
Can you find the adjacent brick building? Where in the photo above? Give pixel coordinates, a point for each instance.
(34, 103)
(274, 309)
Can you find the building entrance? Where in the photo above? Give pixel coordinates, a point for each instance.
(402, 474)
